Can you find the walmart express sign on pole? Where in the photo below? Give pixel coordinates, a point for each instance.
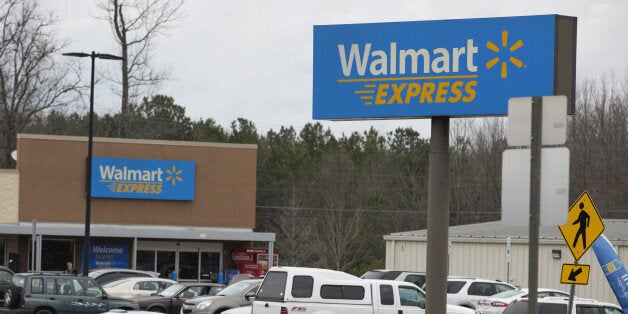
(465, 67)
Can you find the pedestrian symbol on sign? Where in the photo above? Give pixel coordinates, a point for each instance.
(583, 220)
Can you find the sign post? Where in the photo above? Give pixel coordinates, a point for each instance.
(583, 227)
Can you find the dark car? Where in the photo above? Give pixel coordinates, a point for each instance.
(48, 293)
(6, 275)
(236, 295)
(171, 299)
(107, 275)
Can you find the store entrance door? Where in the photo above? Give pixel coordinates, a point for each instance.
(191, 261)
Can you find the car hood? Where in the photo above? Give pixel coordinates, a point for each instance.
(198, 300)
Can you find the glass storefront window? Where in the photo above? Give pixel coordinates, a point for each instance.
(188, 265)
(210, 265)
(55, 254)
(146, 260)
(165, 263)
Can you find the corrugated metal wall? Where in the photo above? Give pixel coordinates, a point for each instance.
(486, 258)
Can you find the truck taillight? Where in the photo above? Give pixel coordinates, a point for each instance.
(23, 303)
(284, 310)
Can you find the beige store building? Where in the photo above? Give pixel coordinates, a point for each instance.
(156, 205)
(479, 250)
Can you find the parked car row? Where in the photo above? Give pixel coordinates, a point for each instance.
(125, 290)
(47, 293)
(130, 290)
(496, 297)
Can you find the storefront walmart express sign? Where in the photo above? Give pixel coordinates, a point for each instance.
(143, 178)
(438, 68)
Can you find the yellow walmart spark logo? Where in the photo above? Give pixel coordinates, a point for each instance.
(173, 175)
(504, 44)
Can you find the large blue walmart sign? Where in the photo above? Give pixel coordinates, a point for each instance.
(440, 68)
(143, 178)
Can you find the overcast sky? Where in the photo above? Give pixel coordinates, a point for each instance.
(253, 59)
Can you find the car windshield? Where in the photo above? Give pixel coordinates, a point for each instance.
(114, 283)
(507, 294)
(235, 289)
(172, 290)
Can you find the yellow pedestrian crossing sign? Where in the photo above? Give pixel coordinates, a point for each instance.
(583, 227)
(575, 274)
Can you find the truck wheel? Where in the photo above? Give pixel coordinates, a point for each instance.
(11, 297)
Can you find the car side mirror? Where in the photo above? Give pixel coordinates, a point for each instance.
(249, 296)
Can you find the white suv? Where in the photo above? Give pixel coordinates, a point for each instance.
(551, 305)
(466, 291)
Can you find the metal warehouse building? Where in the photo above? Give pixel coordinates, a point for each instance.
(479, 250)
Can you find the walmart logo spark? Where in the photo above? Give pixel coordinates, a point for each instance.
(173, 175)
(504, 65)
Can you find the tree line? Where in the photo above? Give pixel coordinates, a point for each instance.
(328, 198)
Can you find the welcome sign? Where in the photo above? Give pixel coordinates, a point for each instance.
(467, 67)
(143, 178)
(109, 256)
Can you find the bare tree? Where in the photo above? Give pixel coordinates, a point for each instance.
(598, 141)
(31, 77)
(294, 231)
(338, 244)
(135, 25)
(476, 156)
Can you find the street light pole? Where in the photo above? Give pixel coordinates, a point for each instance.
(90, 141)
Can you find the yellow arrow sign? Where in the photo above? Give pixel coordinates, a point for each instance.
(575, 274)
(583, 226)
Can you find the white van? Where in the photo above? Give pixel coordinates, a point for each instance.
(287, 290)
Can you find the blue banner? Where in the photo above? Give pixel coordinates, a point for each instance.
(468, 67)
(109, 256)
(613, 268)
(143, 178)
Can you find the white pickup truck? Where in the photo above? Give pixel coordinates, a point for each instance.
(298, 290)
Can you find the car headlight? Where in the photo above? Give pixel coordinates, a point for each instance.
(203, 305)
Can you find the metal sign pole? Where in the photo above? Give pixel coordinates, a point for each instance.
(34, 245)
(438, 216)
(535, 201)
(508, 259)
(572, 292)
